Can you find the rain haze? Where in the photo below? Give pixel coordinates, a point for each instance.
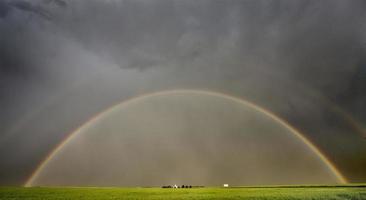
(194, 92)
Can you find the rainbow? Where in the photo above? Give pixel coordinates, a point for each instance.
(294, 131)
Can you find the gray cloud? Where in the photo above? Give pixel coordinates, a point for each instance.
(35, 7)
(291, 57)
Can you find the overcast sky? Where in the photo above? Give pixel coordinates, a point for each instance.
(63, 61)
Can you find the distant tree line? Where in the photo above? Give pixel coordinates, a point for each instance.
(183, 186)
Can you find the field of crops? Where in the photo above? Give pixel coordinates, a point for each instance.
(258, 193)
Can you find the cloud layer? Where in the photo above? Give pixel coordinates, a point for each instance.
(63, 61)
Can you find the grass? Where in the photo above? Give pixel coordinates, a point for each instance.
(350, 192)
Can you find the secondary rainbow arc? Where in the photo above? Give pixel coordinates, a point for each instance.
(293, 130)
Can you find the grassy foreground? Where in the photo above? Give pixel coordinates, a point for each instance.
(257, 193)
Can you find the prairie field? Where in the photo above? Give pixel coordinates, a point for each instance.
(283, 192)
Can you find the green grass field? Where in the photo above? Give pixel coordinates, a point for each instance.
(257, 193)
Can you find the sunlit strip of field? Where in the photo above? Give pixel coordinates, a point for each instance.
(258, 193)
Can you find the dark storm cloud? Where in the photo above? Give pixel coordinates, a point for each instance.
(56, 55)
(19, 31)
(27, 6)
(317, 43)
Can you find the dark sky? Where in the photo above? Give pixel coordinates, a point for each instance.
(63, 61)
